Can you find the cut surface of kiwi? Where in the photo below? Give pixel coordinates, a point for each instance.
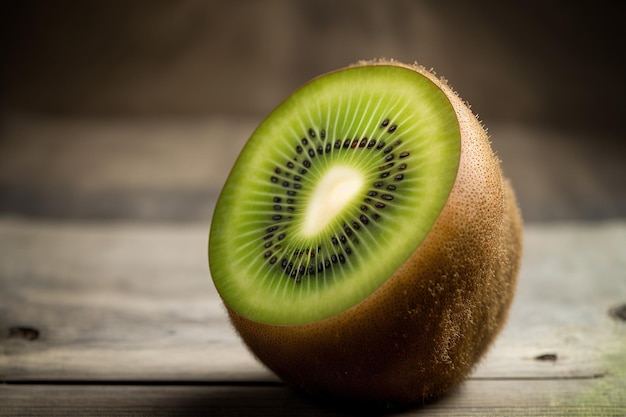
(332, 193)
(366, 244)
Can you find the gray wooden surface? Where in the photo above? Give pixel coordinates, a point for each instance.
(172, 168)
(121, 318)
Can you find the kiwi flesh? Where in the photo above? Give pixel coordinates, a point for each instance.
(366, 244)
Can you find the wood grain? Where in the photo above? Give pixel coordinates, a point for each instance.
(128, 313)
(172, 168)
(475, 398)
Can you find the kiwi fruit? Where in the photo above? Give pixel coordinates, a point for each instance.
(366, 244)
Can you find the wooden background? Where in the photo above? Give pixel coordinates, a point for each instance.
(120, 120)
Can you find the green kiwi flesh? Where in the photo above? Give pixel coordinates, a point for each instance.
(423, 287)
(314, 214)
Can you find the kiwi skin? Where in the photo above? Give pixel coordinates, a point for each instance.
(422, 331)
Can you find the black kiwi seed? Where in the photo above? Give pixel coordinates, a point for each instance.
(352, 229)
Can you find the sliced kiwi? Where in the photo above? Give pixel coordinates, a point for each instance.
(314, 215)
(365, 243)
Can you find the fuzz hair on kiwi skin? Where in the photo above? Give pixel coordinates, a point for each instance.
(419, 334)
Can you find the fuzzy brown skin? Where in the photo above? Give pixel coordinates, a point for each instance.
(422, 331)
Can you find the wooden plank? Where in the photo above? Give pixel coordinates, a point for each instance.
(72, 168)
(572, 397)
(171, 168)
(134, 302)
(114, 302)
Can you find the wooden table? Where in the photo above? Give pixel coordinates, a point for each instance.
(121, 319)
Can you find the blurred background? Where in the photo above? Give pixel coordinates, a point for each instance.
(137, 109)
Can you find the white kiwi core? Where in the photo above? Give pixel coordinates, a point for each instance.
(335, 190)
